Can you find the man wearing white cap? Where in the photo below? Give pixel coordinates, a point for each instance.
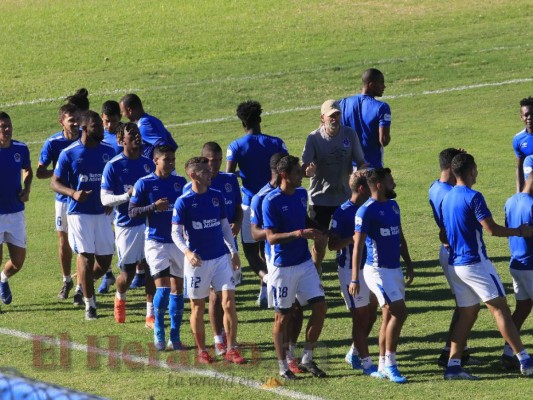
(328, 157)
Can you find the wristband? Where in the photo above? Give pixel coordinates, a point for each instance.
(356, 281)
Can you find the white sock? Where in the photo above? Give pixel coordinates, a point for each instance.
(149, 309)
(283, 366)
(381, 364)
(3, 277)
(120, 296)
(78, 288)
(367, 362)
(390, 359)
(290, 351)
(218, 339)
(453, 362)
(89, 302)
(522, 355)
(140, 272)
(67, 278)
(307, 357)
(507, 350)
(354, 350)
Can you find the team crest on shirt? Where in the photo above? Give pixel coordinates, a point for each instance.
(194, 205)
(346, 143)
(177, 187)
(125, 171)
(105, 157)
(16, 156)
(382, 213)
(229, 153)
(146, 168)
(228, 187)
(155, 188)
(304, 202)
(215, 202)
(197, 225)
(333, 224)
(396, 209)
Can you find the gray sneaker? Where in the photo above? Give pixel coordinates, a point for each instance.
(65, 290)
(90, 314)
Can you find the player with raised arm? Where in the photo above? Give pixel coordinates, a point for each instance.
(152, 199)
(77, 175)
(378, 225)
(15, 184)
(464, 216)
(200, 214)
(120, 174)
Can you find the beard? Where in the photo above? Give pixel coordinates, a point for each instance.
(390, 194)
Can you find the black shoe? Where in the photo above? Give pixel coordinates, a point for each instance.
(90, 314)
(65, 290)
(509, 363)
(78, 298)
(288, 375)
(312, 368)
(443, 359)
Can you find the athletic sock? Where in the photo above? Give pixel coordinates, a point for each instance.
(161, 300)
(290, 351)
(307, 357)
(508, 350)
(149, 309)
(175, 310)
(120, 296)
(381, 364)
(367, 362)
(109, 273)
(3, 277)
(454, 362)
(67, 278)
(283, 366)
(390, 358)
(89, 302)
(522, 355)
(218, 339)
(78, 288)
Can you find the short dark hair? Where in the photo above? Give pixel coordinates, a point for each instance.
(462, 164)
(111, 107)
(287, 163)
(80, 99)
(162, 149)
(249, 112)
(131, 100)
(125, 128)
(377, 175)
(212, 147)
(358, 178)
(194, 163)
(527, 102)
(371, 75)
(4, 115)
(274, 160)
(88, 116)
(68, 108)
(446, 156)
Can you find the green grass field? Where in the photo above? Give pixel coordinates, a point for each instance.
(455, 72)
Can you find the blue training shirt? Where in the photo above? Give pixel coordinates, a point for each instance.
(462, 209)
(287, 213)
(437, 191)
(252, 154)
(111, 138)
(523, 144)
(518, 211)
(380, 221)
(256, 211)
(52, 147)
(81, 168)
(343, 224)
(148, 190)
(153, 134)
(120, 174)
(528, 166)
(365, 114)
(202, 215)
(13, 160)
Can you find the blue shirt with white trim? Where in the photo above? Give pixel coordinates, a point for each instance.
(13, 160)
(111, 138)
(256, 211)
(518, 211)
(437, 191)
(343, 224)
(523, 144)
(153, 134)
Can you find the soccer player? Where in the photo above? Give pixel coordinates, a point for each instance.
(363, 306)
(200, 214)
(152, 129)
(465, 215)
(370, 118)
(228, 185)
(327, 158)
(120, 174)
(80, 99)
(378, 224)
(523, 140)
(111, 117)
(293, 275)
(295, 319)
(77, 175)
(438, 189)
(52, 147)
(152, 199)
(15, 184)
(251, 154)
(518, 211)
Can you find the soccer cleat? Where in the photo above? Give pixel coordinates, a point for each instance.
(373, 372)
(233, 356)
(120, 311)
(90, 314)
(220, 349)
(288, 375)
(353, 360)
(457, 373)
(526, 366)
(262, 302)
(394, 375)
(204, 358)
(107, 281)
(293, 366)
(159, 339)
(159, 346)
(312, 368)
(150, 321)
(78, 298)
(176, 346)
(138, 281)
(509, 363)
(5, 293)
(65, 290)
(443, 359)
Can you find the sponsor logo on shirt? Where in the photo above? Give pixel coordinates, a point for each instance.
(206, 223)
(146, 168)
(393, 230)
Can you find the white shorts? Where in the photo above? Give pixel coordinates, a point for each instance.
(246, 229)
(61, 216)
(443, 261)
(130, 244)
(216, 273)
(474, 282)
(387, 284)
(160, 256)
(298, 282)
(13, 228)
(362, 299)
(522, 284)
(91, 234)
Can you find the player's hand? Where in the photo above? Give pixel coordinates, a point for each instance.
(108, 210)
(353, 289)
(162, 204)
(235, 229)
(310, 170)
(81, 195)
(24, 195)
(130, 191)
(235, 261)
(193, 258)
(314, 234)
(526, 230)
(409, 275)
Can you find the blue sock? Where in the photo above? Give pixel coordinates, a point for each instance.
(176, 314)
(161, 300)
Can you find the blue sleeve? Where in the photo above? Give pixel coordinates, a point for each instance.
(62, 169)
(480, 207)
(138, 196)
(337, 222)
(107, 178)
(256, 215)
(283, 147)
(362, 221)
(45, 158)
(178, 212)
(384, 115)
(232, 154)
(269, 216)
(516, 147)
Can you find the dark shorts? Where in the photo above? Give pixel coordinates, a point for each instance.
(321, 215)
